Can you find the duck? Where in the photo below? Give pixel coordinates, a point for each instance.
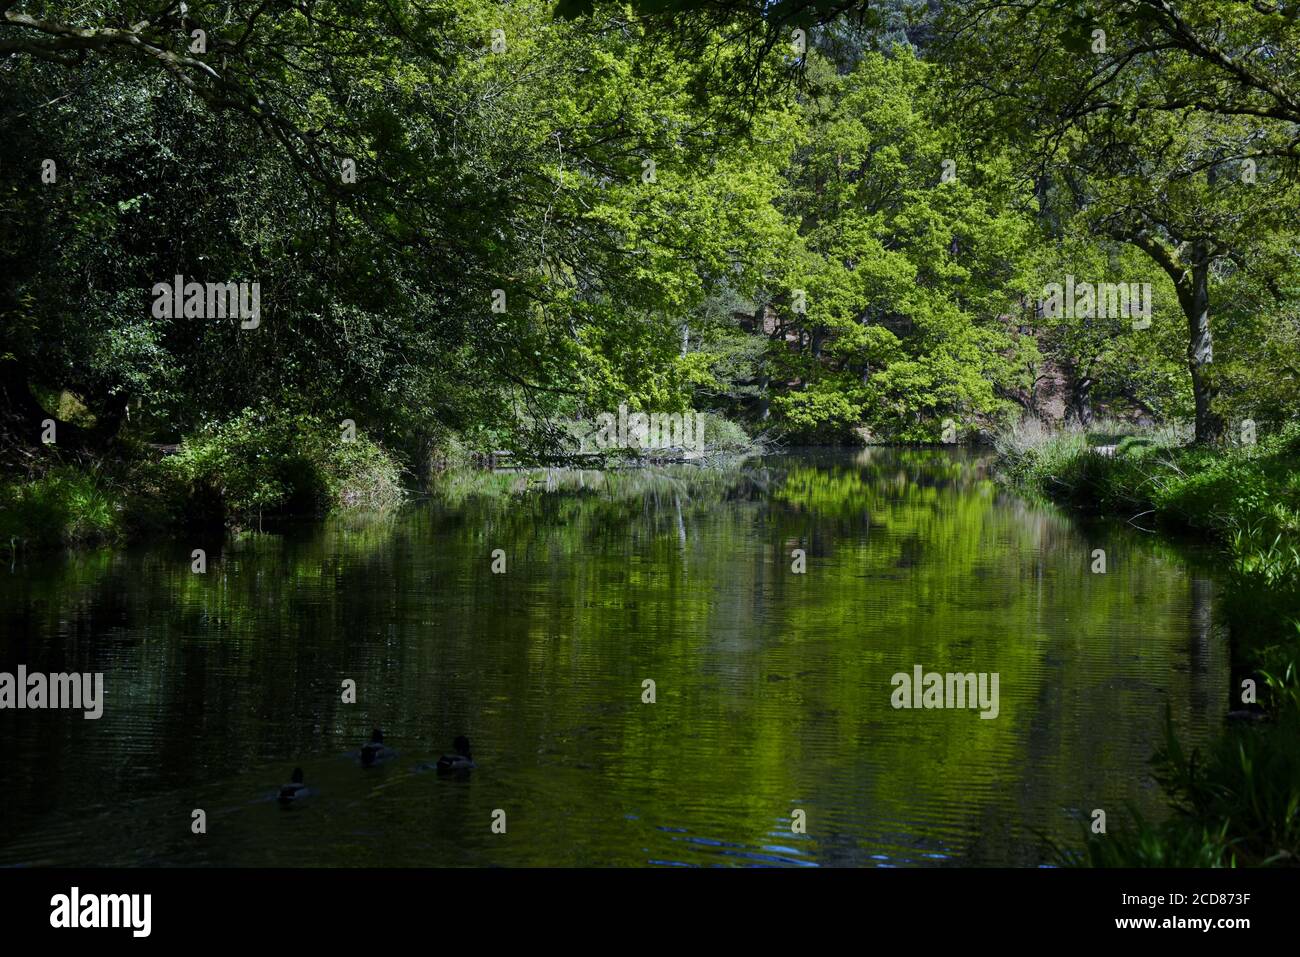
(374, 750)
(460, 761)
(294, 790)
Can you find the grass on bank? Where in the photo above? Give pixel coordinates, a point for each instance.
(1238, 804)
(1245, 497)
(67, 504)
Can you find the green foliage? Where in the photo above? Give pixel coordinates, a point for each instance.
(921, 248)
(724, 435)
(1106, 362)
(908, 271)
(1203, 185)
(522, 170)
(883, 232)
(1247, 497)
(269, 461)
(1139, 843)
(64, 506)
(1251, 491)
(824, 412)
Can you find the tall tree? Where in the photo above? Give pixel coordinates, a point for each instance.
(1174, 130)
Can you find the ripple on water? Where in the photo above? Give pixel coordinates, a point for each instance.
(772, 689)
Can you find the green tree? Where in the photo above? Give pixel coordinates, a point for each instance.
(893, 303)
(1163, 128)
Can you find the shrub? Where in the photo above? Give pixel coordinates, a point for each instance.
(723, 435)
(720, 435)
(277, 462)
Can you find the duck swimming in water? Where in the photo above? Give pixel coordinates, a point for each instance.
(294, 790)
(460, 761)
(375, 751)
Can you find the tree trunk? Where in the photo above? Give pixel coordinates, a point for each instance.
(1194, 296)
(764, 399)
(16, 398)
(1081, 400)
(1192, 280)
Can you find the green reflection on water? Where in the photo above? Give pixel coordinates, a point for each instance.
(773, 689)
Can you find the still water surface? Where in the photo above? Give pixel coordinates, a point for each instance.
(772, 688)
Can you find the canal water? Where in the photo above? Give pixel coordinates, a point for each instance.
(770, 603)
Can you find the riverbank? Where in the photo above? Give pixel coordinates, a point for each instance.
(229, 475)
(1247, 498)
(1238, 804)
(270, 463)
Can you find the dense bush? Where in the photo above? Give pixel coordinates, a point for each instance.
(723, 435)
(272, 461)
